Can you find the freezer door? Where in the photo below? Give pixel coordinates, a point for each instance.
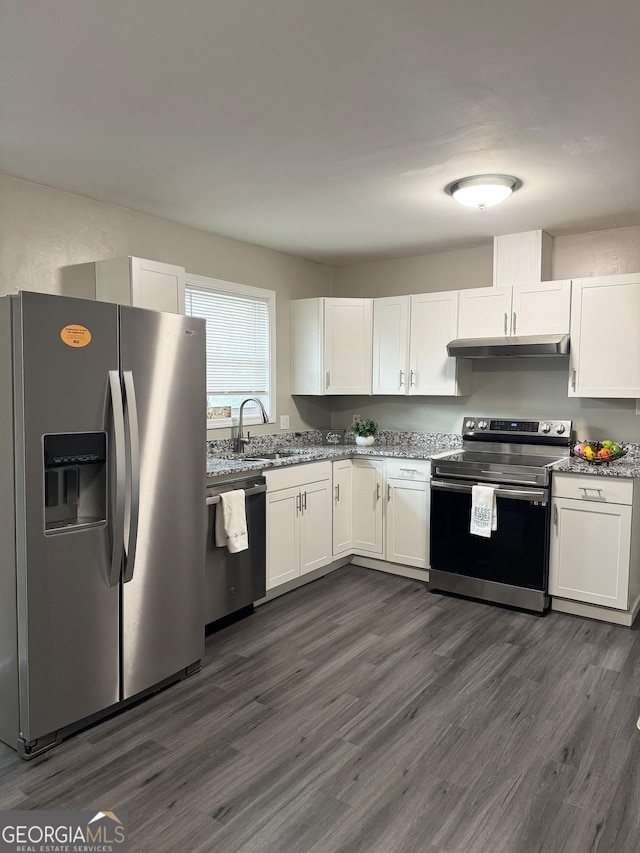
(163, 363)
(68, 615)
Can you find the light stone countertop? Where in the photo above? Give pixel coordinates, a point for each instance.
(223, 464)
(627, 466)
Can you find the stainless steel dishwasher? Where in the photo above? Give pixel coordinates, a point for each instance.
(235, 581)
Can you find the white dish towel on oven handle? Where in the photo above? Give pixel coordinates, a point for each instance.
(484, 511)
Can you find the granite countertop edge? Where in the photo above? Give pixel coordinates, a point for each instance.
(389, 445)
(219, 467)
(628, 466)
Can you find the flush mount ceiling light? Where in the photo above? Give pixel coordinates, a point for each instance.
(483, 190)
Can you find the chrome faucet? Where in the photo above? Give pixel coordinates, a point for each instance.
(241, 441)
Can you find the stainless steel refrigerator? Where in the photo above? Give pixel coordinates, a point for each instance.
(102, 512)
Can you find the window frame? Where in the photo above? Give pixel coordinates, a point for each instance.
(218, 285)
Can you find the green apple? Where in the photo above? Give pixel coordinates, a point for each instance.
(607, 443)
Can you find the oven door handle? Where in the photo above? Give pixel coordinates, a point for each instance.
(474, 477)
(510, 494)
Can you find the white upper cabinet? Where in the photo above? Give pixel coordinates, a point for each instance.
(485, 312)
(331, 346)
(140, 283)
(390, 344)
(605, 337)
(348, 336)
(434, 323)
(410, 337)
(542, 308)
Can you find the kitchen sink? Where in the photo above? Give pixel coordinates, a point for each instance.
(280, 454)
(262, 457)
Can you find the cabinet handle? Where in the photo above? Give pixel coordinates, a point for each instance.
(514, 323)
(573, 379)
(411, 381)
(505, 322)
(377, 491)
(328, 378)
(304, 501)
(401, 378)
(555, 516)
(298, 503)
(388, 491)
(337, 493)
(587, 489)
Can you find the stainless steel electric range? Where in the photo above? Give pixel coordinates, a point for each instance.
(514, 457)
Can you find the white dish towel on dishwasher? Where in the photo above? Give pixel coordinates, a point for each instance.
(484, 514)
(231, 521)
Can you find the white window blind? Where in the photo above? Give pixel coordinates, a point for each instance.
(239, 347)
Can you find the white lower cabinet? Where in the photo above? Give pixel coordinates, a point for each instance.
(595, 543)
(342, 507)
(407, 515)
(391, 510)
(367, 506)
(298, 521)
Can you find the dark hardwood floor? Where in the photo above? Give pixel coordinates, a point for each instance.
(362, 713)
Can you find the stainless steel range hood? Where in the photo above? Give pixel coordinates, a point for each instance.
(527, 346)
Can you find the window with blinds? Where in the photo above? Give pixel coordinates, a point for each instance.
(240, 344)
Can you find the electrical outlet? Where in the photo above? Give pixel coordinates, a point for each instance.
(356, 418)
(284, 421)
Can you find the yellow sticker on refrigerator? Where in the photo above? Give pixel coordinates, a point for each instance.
(75, 336)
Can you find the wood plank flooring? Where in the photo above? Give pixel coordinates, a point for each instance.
(363, 713)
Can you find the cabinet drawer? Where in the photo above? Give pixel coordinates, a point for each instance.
(603, 489)
(408, 469)
(297, 475)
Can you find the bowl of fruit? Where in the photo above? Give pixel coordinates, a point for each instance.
(598, 452)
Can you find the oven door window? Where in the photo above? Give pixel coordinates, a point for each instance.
(516, 553)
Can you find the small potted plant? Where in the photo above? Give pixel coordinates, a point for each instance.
(364, 431)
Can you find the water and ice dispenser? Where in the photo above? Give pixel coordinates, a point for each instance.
(75, 481)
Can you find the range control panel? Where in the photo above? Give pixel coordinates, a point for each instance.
(504, 428)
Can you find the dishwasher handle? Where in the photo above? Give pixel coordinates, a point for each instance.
(255, 490)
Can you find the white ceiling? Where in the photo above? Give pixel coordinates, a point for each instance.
(329, 128)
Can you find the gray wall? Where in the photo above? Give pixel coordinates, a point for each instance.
(518, 388)
(44, 233)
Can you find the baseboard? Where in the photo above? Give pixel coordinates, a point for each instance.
(275, 591)
(595, 611)
(390, 568)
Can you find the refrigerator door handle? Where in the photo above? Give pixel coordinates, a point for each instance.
(117, 530)
(134, 473)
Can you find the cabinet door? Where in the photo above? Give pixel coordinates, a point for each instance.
(283, 536)
(348, 345)
(485, 312)
(157, 286)
(407, 523)
(605, 337)
(590, 551)
(541, 309)
(342, 507)
(367, 506)
(315, 526)
(434, 322)
(390, 344)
